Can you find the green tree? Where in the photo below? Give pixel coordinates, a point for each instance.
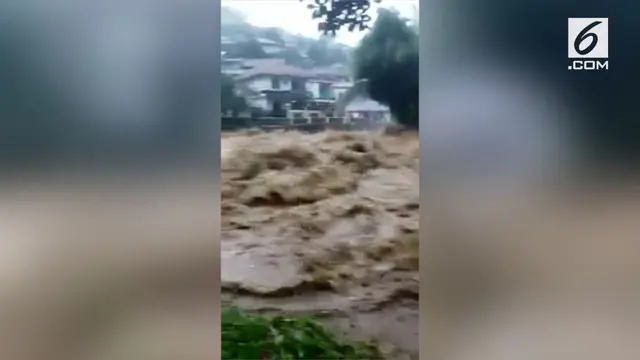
(231, 103)
(273, 34)
(388, 58)
(293, 57)
(336, 14)
(338, 55)
(318, 52)
(323, 53)
(249, 49)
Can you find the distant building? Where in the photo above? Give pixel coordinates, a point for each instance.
(320, 89)
(272, 86)
(353, 103)
(340, 88)
(231, 67)
(271, 47)
(282, 89)
(362, 108)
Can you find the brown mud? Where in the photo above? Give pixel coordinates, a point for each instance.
(325, 224)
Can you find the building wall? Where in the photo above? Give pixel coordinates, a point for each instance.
(272, 49)
(231, 68)
(315, 87)
(259, 102)
(264, 83)
(338, 91)
(304, 114)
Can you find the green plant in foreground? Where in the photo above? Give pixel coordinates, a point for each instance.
(251, 337)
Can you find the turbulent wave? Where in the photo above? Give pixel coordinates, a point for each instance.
(333, 215)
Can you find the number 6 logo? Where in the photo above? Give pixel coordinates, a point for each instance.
(584, 35)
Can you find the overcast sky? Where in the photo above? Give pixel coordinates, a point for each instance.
(294, 17)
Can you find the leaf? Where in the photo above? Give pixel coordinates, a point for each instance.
(247, 336)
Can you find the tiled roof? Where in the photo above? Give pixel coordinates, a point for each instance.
(276, 68)
(333, 70)
(262, 62)
(273, 66)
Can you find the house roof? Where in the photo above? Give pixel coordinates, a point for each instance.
(362, 104)
(275, 68)
(333, 70)
(265, 41)
(227, 60)
(344, 85)
(278, 67)
(262, 62)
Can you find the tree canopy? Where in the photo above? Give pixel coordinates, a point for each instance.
(388, 58)
(249, 49)
(607, 98)
(318, 51)
(297, 50)
(273, 34)
(336, 14)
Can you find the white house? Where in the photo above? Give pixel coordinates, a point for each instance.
(367, 109)
(320, 89)
(340, 88)
(276, 77)
(271, 87)
(232, 67)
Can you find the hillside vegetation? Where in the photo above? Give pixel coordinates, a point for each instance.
(300, 50)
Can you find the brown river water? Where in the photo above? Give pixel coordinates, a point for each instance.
(112, 267)
(104, 266)
(325, 224)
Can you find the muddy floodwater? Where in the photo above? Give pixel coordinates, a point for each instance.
(325, 224)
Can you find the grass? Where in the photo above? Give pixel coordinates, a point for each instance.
(252, 337)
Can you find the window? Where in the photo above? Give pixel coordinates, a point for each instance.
(275, 82)
(325, 91)
(298, 85)
(278, 108)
